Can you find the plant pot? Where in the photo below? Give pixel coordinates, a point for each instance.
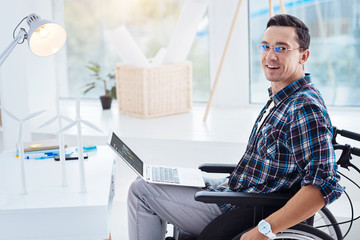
(106, 102)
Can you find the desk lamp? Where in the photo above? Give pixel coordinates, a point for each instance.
(45, 37)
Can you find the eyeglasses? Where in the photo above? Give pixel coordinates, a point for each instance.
(277, 49)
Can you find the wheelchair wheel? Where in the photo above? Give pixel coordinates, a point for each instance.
(299, 232)
(325, 217)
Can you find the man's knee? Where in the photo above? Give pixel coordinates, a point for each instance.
(137, 188)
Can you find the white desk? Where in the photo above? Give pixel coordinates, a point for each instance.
(50, 211)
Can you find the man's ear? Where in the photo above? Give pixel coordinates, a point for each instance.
(304, 56)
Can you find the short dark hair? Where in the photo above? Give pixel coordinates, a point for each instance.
(287, 20)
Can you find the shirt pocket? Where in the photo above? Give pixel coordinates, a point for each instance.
(267, 143)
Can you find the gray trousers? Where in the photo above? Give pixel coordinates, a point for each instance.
(152, 206)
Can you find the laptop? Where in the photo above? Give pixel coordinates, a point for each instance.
(155, 174)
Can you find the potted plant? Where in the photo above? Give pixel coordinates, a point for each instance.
(107, 81)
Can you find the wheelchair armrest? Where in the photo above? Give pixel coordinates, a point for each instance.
(217, 167)
(244, 199)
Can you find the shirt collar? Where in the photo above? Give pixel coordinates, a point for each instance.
(290, 89)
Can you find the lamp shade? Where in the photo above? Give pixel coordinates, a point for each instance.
(44, 36)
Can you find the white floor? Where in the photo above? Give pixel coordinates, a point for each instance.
(183, 140)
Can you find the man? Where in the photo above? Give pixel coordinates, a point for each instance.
(290, 145)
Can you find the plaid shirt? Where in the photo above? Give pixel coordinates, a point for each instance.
(293, 145)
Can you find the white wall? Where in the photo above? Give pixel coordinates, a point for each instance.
(233, 85)
(27, 81)
(13, 72)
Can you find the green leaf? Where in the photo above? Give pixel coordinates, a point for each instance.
(94, 69)
(88, 89)
(111, 76)
(113, 92)
(90, 84)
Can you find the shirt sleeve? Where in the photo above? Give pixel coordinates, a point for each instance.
(310, 139)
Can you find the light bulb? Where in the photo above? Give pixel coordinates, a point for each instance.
(42, 31)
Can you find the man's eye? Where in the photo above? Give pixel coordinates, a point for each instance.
(265, 47)
(280, 49)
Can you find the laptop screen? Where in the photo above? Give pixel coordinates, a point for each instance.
(126, 153)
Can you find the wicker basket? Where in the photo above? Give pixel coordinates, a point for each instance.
(154, 92)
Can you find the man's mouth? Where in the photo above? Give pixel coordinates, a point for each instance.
(272, 67)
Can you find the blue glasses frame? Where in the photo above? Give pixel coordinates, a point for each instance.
(277, 49)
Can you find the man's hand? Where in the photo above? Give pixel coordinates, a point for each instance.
(253, 234)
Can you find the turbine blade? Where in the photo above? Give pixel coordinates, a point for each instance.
(10, 114)
(32, 115)
(66, 118)
(67, 127)
(20, 132)
(91, 125)
(48, 122)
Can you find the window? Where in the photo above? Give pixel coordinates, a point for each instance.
(334, 50)
(89, 24)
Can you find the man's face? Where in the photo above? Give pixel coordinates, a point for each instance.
(282, 68)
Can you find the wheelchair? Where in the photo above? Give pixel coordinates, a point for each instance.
(253, 207)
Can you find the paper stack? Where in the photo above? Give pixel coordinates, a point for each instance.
(180, 43)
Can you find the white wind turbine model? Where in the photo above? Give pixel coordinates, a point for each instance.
(60, 117)
(20, 143)
(78, 123)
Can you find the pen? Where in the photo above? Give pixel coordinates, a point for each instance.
(38, 156)
(51, 153)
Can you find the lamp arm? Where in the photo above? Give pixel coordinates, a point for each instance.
(20, 36)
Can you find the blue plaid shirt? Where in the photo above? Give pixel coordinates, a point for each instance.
(292, 145)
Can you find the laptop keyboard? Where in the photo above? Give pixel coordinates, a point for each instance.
(165, 175)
